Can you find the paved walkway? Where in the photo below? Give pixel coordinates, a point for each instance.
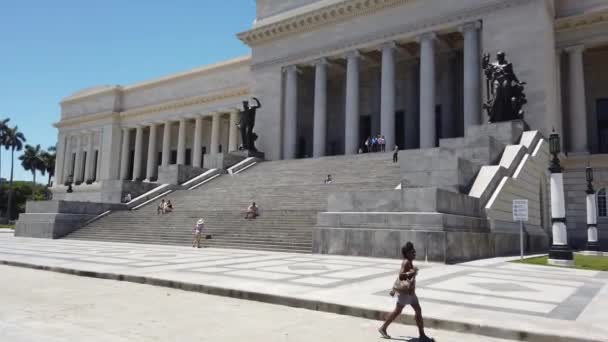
(491, 297)
(69, 308)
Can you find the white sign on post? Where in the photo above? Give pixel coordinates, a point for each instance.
(520, 213)
(520, 210)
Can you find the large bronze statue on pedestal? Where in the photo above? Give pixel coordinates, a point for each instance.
(246, 124)
(505, 93)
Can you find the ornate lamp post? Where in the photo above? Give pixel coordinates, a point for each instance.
(559, 253)
(592, 241)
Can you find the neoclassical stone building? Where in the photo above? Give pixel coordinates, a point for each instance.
(330, 73)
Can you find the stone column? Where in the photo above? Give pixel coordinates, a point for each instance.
(427, 90)
(109, 156)
(387, 97)
(578, 111)
(181, 142)
(60, 159)
(233, 136)
(78, 172)
(124, 155)
(139, 142)
(88, 170)
(320, 109)
(152, 165)
(291, 112)
(67, 160)
(215, 133)
(472, 74)
(166, 155)
(197, 150)
(351, 118)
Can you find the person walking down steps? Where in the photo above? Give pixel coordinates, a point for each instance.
(405, 287)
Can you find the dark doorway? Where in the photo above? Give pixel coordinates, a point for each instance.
(95, 161)
(438, 124)
(159, 158)
(365, 130)
(301, 148)
(400, 129)
(131, 164)
(602, 125)
(173, 157)
(188, 156)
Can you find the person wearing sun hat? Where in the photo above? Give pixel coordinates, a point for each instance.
(198, 232)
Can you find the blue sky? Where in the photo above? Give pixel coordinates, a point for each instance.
(51, 49)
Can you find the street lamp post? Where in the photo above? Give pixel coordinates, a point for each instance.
(560, 253)
(592, 239)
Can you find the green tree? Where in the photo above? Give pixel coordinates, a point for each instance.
(3, 129)
(32, 160)
(48, 158)
(13, 141)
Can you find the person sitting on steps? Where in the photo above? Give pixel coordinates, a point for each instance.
(328, 180)
(252, 212)
(168, 206)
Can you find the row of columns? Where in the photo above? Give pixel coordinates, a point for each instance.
(71, 160)
(471, 86)
(152, 163)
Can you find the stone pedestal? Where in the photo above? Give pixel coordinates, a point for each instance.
(177, 174)
(55, 219)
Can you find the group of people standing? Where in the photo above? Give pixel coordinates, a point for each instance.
(375, 143)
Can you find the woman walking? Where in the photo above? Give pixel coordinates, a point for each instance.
(405, 287)
(198, 233)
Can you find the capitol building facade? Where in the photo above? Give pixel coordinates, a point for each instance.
(330, 73)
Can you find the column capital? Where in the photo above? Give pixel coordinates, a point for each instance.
(578, 48)
(388, 45)
(320, 61)
(426, 36)
(352, 54)
(291, 68)
(470, 26)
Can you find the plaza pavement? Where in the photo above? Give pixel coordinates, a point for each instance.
(488, 297)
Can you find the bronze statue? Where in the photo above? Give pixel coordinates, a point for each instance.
(246, 124)
(505, 92)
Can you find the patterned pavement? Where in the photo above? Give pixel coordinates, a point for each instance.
(495, 292)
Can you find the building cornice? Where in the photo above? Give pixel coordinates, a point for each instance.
(443, 22)
(186, 102)
(143, 111)
(79, 120)
(581, 21)
(316, 18)
(167, 79)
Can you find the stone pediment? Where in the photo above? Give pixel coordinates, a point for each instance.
(322, 16)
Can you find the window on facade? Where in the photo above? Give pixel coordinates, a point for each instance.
(602, 210)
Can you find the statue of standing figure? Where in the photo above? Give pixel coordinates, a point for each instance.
(246, 124)
(505, 92)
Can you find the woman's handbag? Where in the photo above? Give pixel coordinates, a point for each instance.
(402, 286)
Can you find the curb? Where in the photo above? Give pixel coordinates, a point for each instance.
(309, 304)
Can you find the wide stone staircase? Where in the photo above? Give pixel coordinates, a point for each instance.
(289, 194)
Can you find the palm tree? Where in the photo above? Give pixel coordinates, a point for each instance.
(13, 140)
(32, 160)
(48, 158)
(3, 129)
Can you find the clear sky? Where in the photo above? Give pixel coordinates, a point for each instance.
(51, 49)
